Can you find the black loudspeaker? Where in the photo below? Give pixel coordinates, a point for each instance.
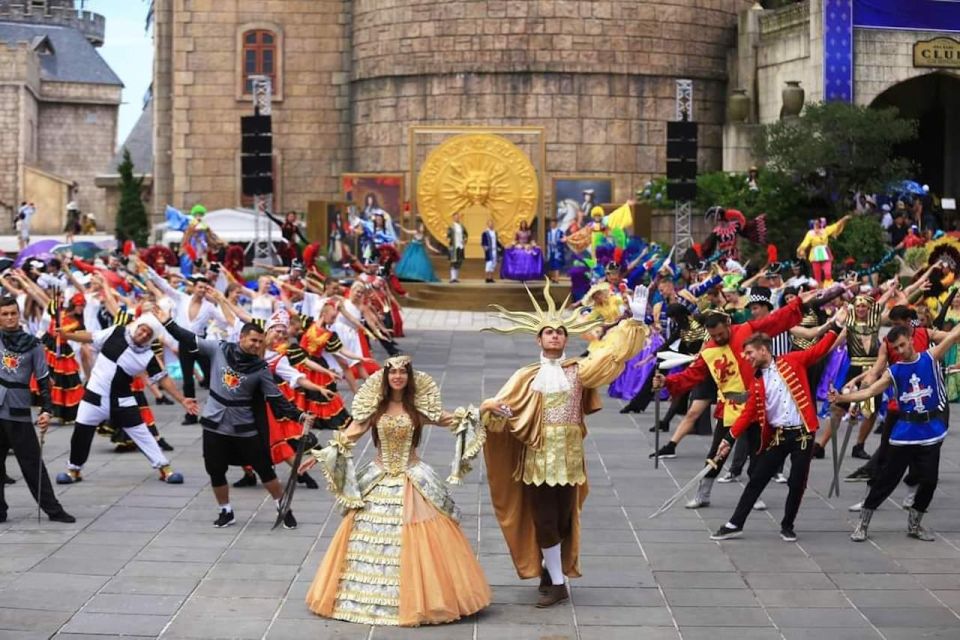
(682, 191)
(257, 185)
(256, 159)
(256, 145)
(681, 149)
(255, 125)
(682, 131)
(682, 169)
(681, 160)
(256, 165)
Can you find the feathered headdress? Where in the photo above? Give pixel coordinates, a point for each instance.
(534, 322)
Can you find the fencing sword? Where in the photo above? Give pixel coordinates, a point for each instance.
(287, 498)
(668, 360)
(43, 436)
(711, 465)
(847, 420)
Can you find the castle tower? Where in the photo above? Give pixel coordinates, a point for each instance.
(358, 80)
(59, 101)
(205, 51)
(598, 76)
(62, 13)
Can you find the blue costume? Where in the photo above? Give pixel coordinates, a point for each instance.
(415, 263)
(915, 441)
(556, 254)
(919, 390)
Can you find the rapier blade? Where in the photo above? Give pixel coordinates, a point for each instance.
(708, 467)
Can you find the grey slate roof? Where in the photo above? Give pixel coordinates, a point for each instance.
(74, 59)
(140, 143)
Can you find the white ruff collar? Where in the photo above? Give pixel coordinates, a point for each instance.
(551, 378)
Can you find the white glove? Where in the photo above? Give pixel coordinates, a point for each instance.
(638, 302)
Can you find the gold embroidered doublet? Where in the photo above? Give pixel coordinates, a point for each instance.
(560, 460)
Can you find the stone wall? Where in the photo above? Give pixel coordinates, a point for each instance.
(598, 124)
(395, 37)
(200, 107)
(9, 151)
(19, 82)
(885, 58)
(598, 76)
(75, 141)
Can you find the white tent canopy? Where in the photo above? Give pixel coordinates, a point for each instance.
(231, 225)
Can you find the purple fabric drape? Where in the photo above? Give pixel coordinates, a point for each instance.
(637, 371)
(521, 264)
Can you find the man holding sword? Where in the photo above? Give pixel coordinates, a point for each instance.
(722, 359)
(23, 356)
(779, 400)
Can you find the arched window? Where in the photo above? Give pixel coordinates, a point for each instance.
(259, 57)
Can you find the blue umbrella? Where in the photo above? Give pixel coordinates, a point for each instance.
(909, 186)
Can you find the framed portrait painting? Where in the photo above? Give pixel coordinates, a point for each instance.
(370, 191)
(574, 193)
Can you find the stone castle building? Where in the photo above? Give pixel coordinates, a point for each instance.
(584, 87)
(58, 111)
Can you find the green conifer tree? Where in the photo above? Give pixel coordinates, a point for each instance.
(132, 215)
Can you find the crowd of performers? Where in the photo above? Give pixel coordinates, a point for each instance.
(90, 342)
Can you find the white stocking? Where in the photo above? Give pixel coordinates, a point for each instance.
(551, 557)
(148, 445)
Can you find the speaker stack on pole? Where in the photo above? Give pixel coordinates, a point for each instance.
(682, 165)
(256, 155)
(256, 164)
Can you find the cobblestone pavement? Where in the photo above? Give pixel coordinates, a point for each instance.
(143, 559)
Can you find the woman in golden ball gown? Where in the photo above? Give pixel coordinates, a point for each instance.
(399, 556)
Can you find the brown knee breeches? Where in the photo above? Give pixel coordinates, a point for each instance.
(552, 512)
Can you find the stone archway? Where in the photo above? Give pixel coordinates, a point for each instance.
(934, 101)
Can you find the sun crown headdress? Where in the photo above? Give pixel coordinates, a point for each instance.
(534, 322)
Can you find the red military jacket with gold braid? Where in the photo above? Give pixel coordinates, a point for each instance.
(793, 367)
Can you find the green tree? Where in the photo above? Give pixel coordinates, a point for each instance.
(833, 149)
(132, 215)
(862, 239)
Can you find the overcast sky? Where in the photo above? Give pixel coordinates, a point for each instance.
(128, 49)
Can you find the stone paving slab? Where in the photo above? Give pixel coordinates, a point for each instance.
(143, 561)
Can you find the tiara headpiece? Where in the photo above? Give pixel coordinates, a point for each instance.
(396, 362)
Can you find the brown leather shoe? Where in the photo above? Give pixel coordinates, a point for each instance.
(545, 581)
(555, 593)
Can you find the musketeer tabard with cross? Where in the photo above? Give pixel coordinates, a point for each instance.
(919, 430)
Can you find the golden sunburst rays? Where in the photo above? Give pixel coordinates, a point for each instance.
(535, 321)
(476, 179)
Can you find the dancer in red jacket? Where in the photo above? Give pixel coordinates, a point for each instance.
(780, 401)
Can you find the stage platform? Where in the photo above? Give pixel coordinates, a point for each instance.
(474, 294)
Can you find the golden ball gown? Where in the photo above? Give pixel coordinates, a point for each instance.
(399, 556)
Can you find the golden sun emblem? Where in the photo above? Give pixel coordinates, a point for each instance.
(481, 177)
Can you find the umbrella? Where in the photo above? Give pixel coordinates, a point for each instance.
(908, 186)
(84, 249)
(40, 250)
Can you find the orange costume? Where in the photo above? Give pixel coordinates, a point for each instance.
(399, 556)
(315, 341)
(282, 430)
(66, 389)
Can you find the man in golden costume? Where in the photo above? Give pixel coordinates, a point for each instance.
(534, 453)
